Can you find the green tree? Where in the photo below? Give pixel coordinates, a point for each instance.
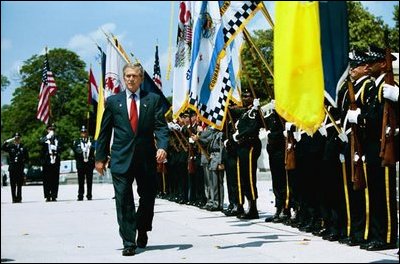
(68, 106)
(4, 82)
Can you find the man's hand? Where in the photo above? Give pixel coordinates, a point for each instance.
(100, 167)
(391, 92)
(161, 155)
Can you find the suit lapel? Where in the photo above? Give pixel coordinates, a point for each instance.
(144, 104)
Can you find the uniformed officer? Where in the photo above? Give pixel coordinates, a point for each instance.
(18, 157)
(358, 204)
(248, 150)
(383, 228)
(276, 155)
(51, 159)
(84, 156)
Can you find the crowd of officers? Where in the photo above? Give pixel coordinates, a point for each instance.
(313, 176)
(50, 158)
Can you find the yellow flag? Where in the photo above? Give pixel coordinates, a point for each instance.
(100, 109)
(298, 70)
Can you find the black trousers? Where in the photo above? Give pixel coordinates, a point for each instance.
(51, 180)
(86, 172)
(16, 181)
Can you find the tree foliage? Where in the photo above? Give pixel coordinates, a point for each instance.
(68, 106)
(4, 82)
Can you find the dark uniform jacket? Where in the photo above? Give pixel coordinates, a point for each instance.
(18, 155)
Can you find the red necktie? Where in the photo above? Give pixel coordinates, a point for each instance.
(134, 114)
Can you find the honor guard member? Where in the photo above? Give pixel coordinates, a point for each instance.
(84, 156)
(51, 159)
(358, 203)
(17, 157)
(383, 214)
(229, 157)
(276, 155)
(248, 150)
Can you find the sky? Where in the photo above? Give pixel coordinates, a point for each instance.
(27, 27)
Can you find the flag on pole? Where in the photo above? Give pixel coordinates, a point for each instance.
(93, 98)
(93, 91)
(210, 77)
(335, 46)
(157, 71)
(101, 100)
(114, 76)
(47, 89)
(298, 69)
(181, 83)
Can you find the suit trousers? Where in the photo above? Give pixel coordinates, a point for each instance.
(128, 219)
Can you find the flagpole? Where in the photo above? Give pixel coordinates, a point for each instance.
(50, 112)
(266, 14)
(171, 21)
(251, 43)
(269, 90)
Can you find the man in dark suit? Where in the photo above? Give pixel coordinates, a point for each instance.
(140, 140)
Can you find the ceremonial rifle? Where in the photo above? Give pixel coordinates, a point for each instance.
(357, 172)
(389, 124)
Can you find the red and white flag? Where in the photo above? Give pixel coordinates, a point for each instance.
(47, 89)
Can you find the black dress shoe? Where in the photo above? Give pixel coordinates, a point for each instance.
(331, 237)
(142, 239)
(248, 216)
(379, 245)
(130, 251)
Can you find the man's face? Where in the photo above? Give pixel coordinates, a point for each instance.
(84, 134)
(132, 79)
(358, 72)
(375, 68)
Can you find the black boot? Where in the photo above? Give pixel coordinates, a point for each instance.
(283, 216)
(275, 216)
(252, 213)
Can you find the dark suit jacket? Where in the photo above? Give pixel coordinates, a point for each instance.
(152, 126)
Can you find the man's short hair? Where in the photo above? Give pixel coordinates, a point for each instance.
(136, 65)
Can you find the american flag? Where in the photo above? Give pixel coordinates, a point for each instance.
(157, 71)
(47, 89)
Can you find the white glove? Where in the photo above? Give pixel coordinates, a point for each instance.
(256, 103)
(235, 135)
(50, 134)
(285, 133)
(225, 142)
(170, 125)
(352, 115)
(323, 131)
(191, 140)
(177, 127)
(288, 125)
(341, 158)
(391, 92)
(53, 147)
(343, 137)
(297, 135)
(10, 140)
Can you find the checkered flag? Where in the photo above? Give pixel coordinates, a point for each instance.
(236, 18)
(213, 112)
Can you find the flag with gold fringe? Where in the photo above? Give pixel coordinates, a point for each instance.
(298, 70)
